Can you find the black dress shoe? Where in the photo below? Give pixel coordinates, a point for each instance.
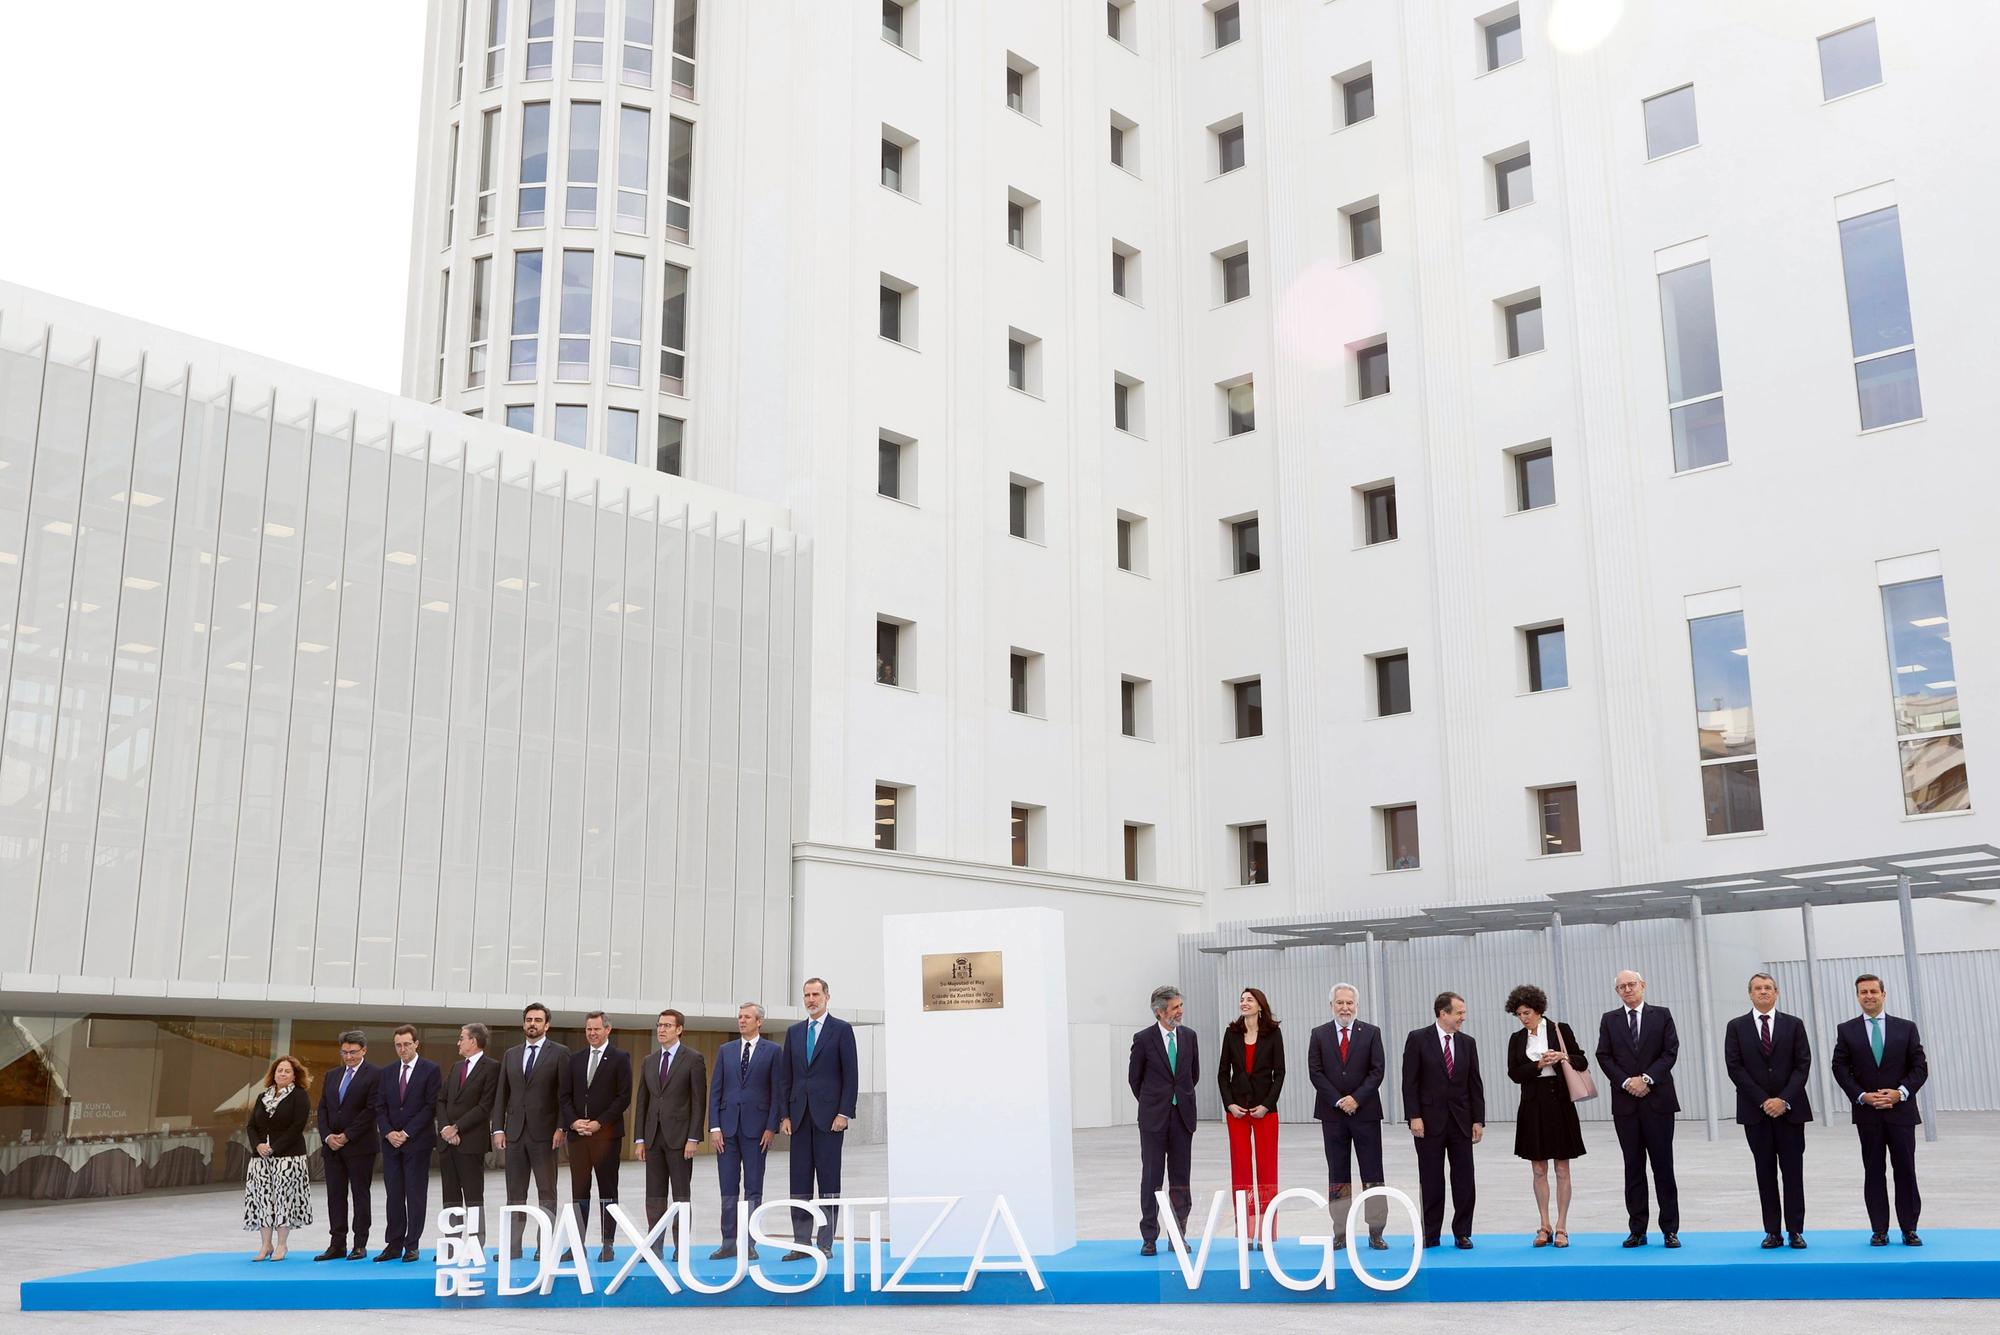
(360, 1250)
(1430, 1242)
(1634, 1240)
(412, 1254)
(1149, 1249)
(388, 1253)
(753, 1251)
(605, 1253)
(1910, 1238)
(1376, 1244)
(722, 1253)
(1798, 1242)
(1771, 1242)
(1878, 1239)
(336, 1252)
(1673, 1240)
(794, 1255)
(1463, 1244)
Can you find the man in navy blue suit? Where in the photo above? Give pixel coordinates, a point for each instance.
(406, 1096)
(1637, 1047)
(746, 1101)
(1344, 1059)
(822, 1083)
(1878, 1060)
(1770, 1062)
(348, 1146)
(1163, 1073)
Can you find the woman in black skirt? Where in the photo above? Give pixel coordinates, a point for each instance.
(277, 1189)
(1546, 1128)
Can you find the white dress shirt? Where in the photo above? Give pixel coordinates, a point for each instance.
(1538, 1043)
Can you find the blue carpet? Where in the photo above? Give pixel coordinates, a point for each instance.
(1954, 1263)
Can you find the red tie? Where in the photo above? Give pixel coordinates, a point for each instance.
(403, 1084)
(464, 1069)
(1343, 1046)
(1447, 1056)
(1765, 1043)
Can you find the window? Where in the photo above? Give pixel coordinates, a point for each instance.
(895, 466)
(1124, 271)
(1233, 271)
(673, 330)
(899, 161)
(1849, 61)
(895, 23)
(628, 293)
(1732, 796)
(1024, 682)
(1135, 707)
(573, 425)
(1024, 362)
(1228, 24)
(531, 205)
(1024, 508)
(1247, 703)
(635, 136)
(1923, 689)
(1534, 472)
(897, 315)
(541, 38)
(1239, 406)
(458, 71)
(889, 651)
(1138, 851)
(1694, 368)
(1392, 684)
(1378, 514)
(586, 60)
(1371, 369)
(489, 172)
(580, 201)
(444, 327)
(573, 327)
(1399, 839)
(885, 816)
(1500, 37)
(1354, 92)
(637, 66)
(1130, 533)
(684, 21)
(476, 333)
(669, 444)
(1253, 855)
(1244, 554)
(680, 177)
(1024, 222)
(1124, 143)
(1670, 123)
(451, 189)
(1021, 828)
(1023, 87)
(1513, 180)
(1556, 821)
(1521, 322)
(1548, 658)
(1119, 23)
(1128, 404)
(1228, 145)
(521, 417)
(1364, 229)
(1878, 319)
(525, 328)
(496, 41)
(621, 434)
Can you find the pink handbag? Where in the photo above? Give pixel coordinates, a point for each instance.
(1582, 1088)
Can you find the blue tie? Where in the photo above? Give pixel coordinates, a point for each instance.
(1875, 1037)
(348, 1079)
(528, 1061)
(812, 1039)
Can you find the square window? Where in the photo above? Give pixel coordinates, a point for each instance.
(1355, 92)
(1253, 855)
(1392, 684)
(888, 808)
(1849, 61)
(1378, 514)
(1244, 555)
(1234, 269)
(1371, 370)
(1239, 407)
(573, 425)
(1247, 702)
(1399, 838)
(1523, 322)
(1364, 230)
(1513, 182)
(1229, 148)
(1548, 657)
(1556, 820)
(1670, 125)
(1228, 21)
(1534, 478)
(1500, 34)
(521, 417)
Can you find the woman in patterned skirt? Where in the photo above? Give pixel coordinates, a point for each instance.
(277, 1191)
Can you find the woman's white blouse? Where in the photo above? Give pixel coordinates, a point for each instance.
(1538, 1043)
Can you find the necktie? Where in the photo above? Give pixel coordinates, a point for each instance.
(1343, 1044)
(743, 1070)
(464, 1069)
(403, 1085)
(1764, 1021)
(1875, 1037)
(1632, 1020)
(348, 1079)
(591, 1075)
(665, 1059)
(812, 1039)
(1173, 1062)
(1447, 1057)
(528, 1061)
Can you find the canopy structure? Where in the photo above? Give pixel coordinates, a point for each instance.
(1939, 873)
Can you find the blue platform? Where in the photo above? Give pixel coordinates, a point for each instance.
(1954, 1263)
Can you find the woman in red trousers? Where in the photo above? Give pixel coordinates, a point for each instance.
(1251, 1074)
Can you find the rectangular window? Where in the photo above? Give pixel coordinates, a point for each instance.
(1017, 90)
(1136, 840)
(1228, 150)
(889, 314)
(1399, 838)
(1244, 555)
(637, 66)
(628, 318)
(635, 137)
(1018, 851)
(541, 38)
(885, 816)
(1247, 698)
(1364, 232)
(1694, 368)
(892, 164)
(521, 417)
(489, 172)
(888, 468)
(1121, 405)
(496, 41)
(1725, 728)
(1114, 19)
(531, 210)
(1534, 479)
(1523, 320)
(1878, 319)
(451, 189)
(1357, 98)
(1503, 41)
(586, 59)
(673, 331)
(444, 327)
(1128, 708)
(574, 317)
(1017, 509)
(525, 327)
(667, 446)
(680, 178)
(1124, 539)
(458, 70)
(1017, 363)
(1849, 61)
(1924, 691)
(1239, 408)
(1017, 682)
(585, 133)
(1548, 658)
(1017, 225)
(1371, 370)
(1124, 271)
(1670, 124)
(1556, 815)
(1228, 25)
(1253, 855)
(476, 331)
(1513, 182)
(1235, 276)
(892, 22)
(1378, 509)
(888, 645)
(573, 425)
(621, 434)
(1392, 684)
(684, 23)
(1124, 143)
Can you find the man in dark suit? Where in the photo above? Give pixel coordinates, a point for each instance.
(1878, 1061)
(527, 1115)
(1445, 1101)
(746, 1101)
(1345, 1061)
(1636, 1049)
(822, 1084)
(666, 1130)
(594, 1104)
(464, 1124)
(1769, 1061)
(406, 1094)
(348, 1145)
(1164, 1072)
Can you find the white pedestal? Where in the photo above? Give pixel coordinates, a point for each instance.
(979, 1101)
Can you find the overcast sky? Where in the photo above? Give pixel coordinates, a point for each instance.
(238, 169)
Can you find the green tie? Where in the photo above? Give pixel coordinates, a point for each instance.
(1173, 1062)
(1875, 1037)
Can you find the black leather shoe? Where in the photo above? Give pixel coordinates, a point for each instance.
(1463, 1244)
(1910, 1238)
(359, 1251)
(1149, 1249)
(1430, 1242)
(388, 1253)
(1673, 1240)
(753, 1251)
(413, 1255)
(1771, 1242)
(337, 1252)
(605, 1253)
(722, 1253)
(1376, 1244)
(1634, 1240)
(1798, 1242)
(794, 1255)
(1878, 1239)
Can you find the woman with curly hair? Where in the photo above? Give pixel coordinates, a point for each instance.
(1546, 1129)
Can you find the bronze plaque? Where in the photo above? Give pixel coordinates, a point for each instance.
(969, 982)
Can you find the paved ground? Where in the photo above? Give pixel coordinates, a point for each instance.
(1961, 1173)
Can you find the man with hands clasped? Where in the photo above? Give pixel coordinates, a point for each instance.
(1636, 1049)
(1878, 1061)
(1769, 1061)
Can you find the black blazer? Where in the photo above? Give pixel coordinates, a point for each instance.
(353, 1116)
(411, 1113)
(1781, 1075)
(467, 1104)
(531, 1105)
(1521, 1071)
(668, 1118)
(1251, 1089)
(604, 1099)
(1856, 1071)
(285, 1128)
(1360, 1075)
(1658, 1049)
(1427, 1093)
(1163, 1092)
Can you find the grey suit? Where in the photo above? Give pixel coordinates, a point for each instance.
(528, 1108)
(669, 1115)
